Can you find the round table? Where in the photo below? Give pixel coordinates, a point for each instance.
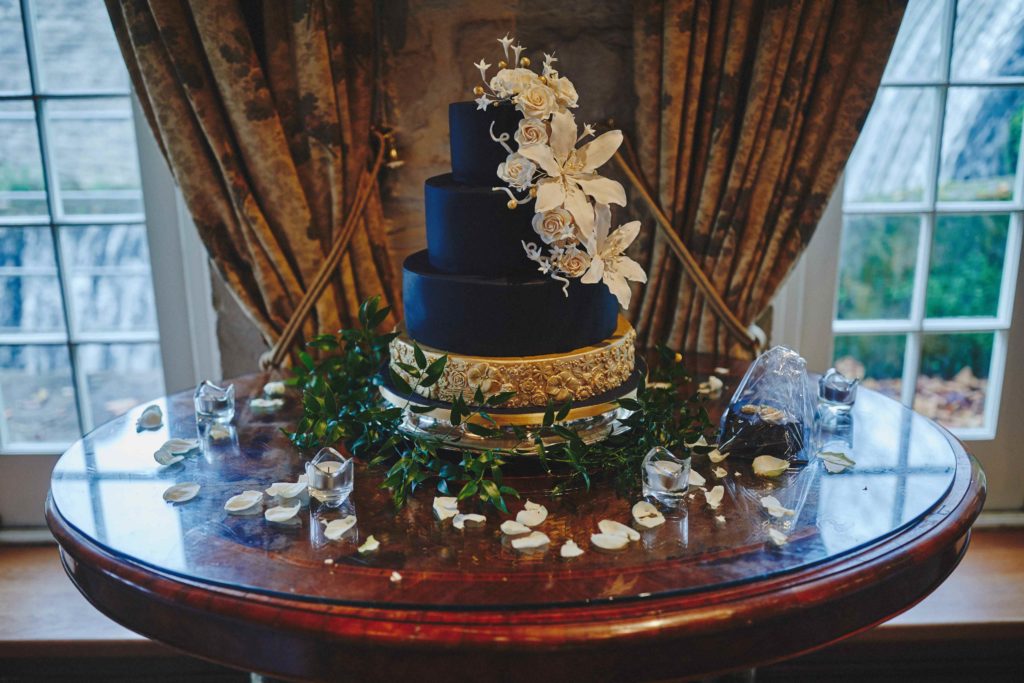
(705, 593)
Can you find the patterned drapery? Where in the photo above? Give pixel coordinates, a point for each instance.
(263, 110)
(747, 112)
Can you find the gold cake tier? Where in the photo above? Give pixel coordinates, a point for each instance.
(575, 375)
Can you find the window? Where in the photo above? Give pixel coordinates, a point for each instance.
(79, 342)
(932, 210)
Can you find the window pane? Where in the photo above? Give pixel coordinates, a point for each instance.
(37, 400)
(21, 170)
(109, 278)
(876, 267)
(877, 359)
(980, 143)
(93, 144)
(916, 53)
(954, 378)
(118, 377)
(890, 162)
(29, 290)
(988, 39)
(76, 47)
(13, 65)
(966, 265)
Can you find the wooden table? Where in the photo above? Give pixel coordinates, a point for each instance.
(692, 598)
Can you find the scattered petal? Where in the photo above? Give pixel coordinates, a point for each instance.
(337, 528)
(749, 409)
(151, 418)
(511, 527)
(166, 458)
(446, 507)
(219, 433)
(701, 441)
(667, 467)
(532, 514)
(609, 541)
(696, 479)
(473, 519)
(395, 577)
(720, 472)
(274, 389)
(328, 561)
(716, 456)
(265, 405)
(612, 528)
(284, 489)
(181, 493)
(777, 537)
(836, 462)
(714, 497)
(369, 545)
(720, 519)
(281, 514)
(721, 371)
(646, 515)
(245, 503)
(775, 508)
(569, 549)
(535, 539)
(712, 388)
(769, 466)
(180, 446)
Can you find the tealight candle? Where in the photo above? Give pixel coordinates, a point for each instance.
(331, 477)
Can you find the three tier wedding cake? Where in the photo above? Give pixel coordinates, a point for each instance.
(523, 276)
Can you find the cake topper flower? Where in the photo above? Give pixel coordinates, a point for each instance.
(573, 216)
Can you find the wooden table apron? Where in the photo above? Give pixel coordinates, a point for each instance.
(688, 635)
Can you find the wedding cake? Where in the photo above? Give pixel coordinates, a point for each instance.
(522, 280)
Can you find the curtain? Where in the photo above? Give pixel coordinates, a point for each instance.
(263, 110)
(747, 112)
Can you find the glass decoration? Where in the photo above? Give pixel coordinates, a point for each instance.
(666, 477)
(215, 403)
(331, 477)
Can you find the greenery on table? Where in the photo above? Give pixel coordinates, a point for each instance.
(341, 404)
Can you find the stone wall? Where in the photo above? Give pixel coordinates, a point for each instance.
(429, 50)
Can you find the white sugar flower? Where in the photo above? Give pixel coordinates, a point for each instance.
(565, 91)
(505, 43)
(511, 82)
(536, 100)
(517, 170)
(531, 132)
(483, 66)
(572, 261)
(571, 177)
(608, 263)
(553, 225)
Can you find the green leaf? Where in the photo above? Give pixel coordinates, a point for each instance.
(307, 360)
(434, 372)
(500, 398)
(421, 358)
(400, 385)
(478, 396)
(563, 412)
(469, 489)
(411, 369)
(549, 414)
(480, 430)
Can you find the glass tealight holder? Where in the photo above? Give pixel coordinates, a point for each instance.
(331, 477)
(836, 396)
(666, 476)
(214, 403)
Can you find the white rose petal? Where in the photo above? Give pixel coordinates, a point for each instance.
(777, 537)
(274, 389)
(535, 539)
(166, 458)
(181, 493)
(151, 418)
(281, 513)
(460, 521)
(609, 541)
(532, 514)
(716, 456)
(769, 466)
(369, 545)
(720, 519)
(339, 527)
(445, 507)
(720, 472)
(285, 489)
(247, 502)
(775, 508)
(714, 497)
(696, 479)
(613, 528)
(513, 528)
(836, 462)
(646, 515)
(395, 577)
(569, 549)
(180, 446)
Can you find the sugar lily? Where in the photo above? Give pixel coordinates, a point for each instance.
(608, 262)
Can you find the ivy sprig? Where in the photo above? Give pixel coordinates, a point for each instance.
(339, 376)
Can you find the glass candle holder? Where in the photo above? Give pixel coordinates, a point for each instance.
(836, 395)
(666, 476)
(331, 477)
(214, 403)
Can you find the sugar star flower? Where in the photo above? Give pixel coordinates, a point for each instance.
(608, 263)
(483, 66)
(571, 177)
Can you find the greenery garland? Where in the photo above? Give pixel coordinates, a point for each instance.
(341, 404)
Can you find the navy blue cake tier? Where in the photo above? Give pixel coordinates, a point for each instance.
(502, 316)
(471, 230)
(475, 156)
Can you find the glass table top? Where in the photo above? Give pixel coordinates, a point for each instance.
(108, 487)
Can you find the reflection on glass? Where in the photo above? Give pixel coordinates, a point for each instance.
(76, 47)
(29, 291)
(21, 170)
(966, 267)
(118, 377)
(876, 267)
(915, 55)
(877, 360)
(93, 143)
(37, 400)
(988, 39)
(13, 63)
(954, 378)
(980, 143)
(891, 160)
(109, 278)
